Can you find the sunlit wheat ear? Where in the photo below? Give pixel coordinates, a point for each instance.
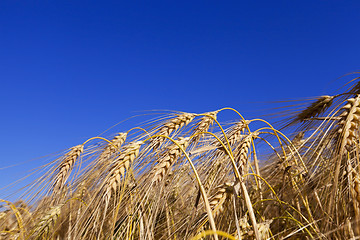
(65, 167)
(112, 148)
(171, 126)
(172, 153)
(218, 200)
(47, 221)
(241, 154)
(203, 125)
(121, 164)
(319, 106)
(235, 134)
(349, 123)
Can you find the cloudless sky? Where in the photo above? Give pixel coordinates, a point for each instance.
(71, 69)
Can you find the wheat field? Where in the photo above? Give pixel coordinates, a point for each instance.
(189, 176)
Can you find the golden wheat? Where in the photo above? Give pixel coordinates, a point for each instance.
(171, 126)
(349, 123)
(112, 147)
(173, 152)
(145, 190)
(121, 164)
(222, 194)
(66, 166)
(203, 125)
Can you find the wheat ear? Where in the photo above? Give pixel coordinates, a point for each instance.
(112, 147)
(48, 220)
(349, 122)
(172, 125)
(241, 155)
(65, 167)
(169, 157)
(121, 164)
(218, 200)
(347, 125)
(242, 162)
(235, 134)
(355, 193)
(317, 107)
(203, 125)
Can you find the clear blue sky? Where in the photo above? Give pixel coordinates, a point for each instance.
(71, 69)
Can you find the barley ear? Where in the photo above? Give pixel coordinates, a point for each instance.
(113, 147)
(65, 167)
(171, 126)
(172, 153)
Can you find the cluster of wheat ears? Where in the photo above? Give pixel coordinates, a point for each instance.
(187, 176)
